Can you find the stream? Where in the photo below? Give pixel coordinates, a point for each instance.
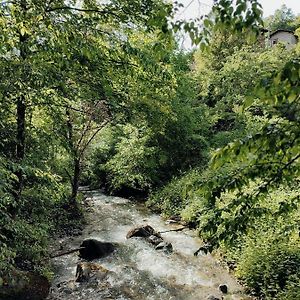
(136, 270)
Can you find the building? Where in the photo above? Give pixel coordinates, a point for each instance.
(286, 37)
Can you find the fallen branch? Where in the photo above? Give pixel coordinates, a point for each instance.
(170, 230)
(66, 252)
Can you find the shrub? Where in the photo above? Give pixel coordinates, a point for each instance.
(269, 262)
(134, 164)
(174, 197)
(27, 223)
(292, 290)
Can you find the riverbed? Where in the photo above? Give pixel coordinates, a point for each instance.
(136, 270)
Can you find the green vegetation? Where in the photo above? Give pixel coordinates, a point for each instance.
(63, 75)
(246, 200)
(101, 95)
(283, 18)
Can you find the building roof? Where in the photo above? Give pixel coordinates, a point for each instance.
(281, 30)
(262, 29)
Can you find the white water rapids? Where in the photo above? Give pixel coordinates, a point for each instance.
(137, 270)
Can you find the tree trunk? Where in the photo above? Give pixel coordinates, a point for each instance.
(76, 160)
(21, 115)
(20, 147)
(75, 182)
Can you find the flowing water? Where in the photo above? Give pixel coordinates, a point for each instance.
(136, 270)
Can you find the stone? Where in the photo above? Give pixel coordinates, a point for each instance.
(66, 287)
(231, 264)
(175, 218)
(86, 270)
(170, 221)
(24, 285)
(167, 247)
(154, 240)
(212, 297)
(142, 231)
(92, 249)
(223, 288)
(206, 248)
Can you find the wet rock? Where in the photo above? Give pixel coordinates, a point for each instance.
(68, 291)
(93, 249)
(167, 247)
(82, 273)
(143, 231)
(154, 240)
(86, 270)
(66, 287)
(175, 218)
(212, 297)
(206, 248)
(231, 264)
(24, 285)
(172, 221)
(151, 236)
(223, 288)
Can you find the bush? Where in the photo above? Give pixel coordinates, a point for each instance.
(27, 223)
(134, 164)
(269, 263)
(103, 150)
(292, 290)
(174, 197)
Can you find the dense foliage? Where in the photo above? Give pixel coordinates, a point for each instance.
(246, 200)
(283, 18)
(63, 69)
(100, 94)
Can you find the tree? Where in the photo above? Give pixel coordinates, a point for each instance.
(44, 42)
(283, 18)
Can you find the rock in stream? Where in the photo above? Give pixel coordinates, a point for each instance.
(92, 249)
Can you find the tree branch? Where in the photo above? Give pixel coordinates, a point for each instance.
(63, 106)
(92, 137)
(87, 10)
(66, 252)
(68, 174)
(273, 178)
(171, 230)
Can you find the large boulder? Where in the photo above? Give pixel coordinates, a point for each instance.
(142, 231)
(24, 285)
(150, 236)
(92, 249)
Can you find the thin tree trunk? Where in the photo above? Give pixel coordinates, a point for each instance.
(76, 176)
(20, 147)
(21, 117)
(76, 160)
